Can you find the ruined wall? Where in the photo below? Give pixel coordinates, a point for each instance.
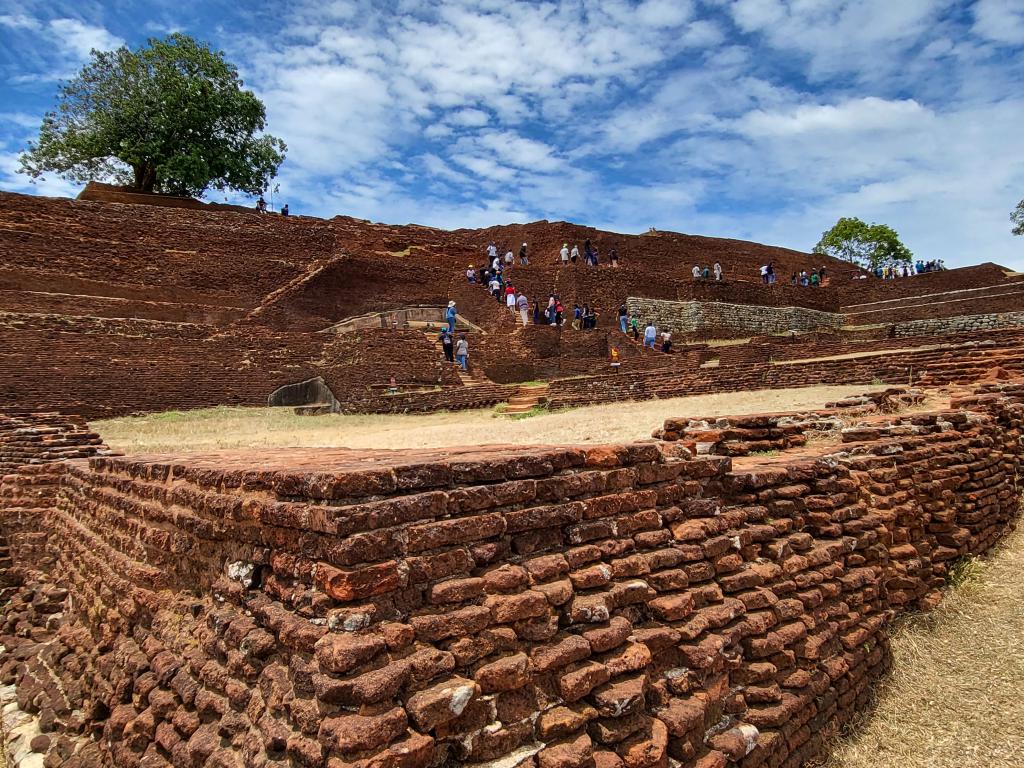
(963, 324)
(30, 445)
(721, 320)
(607, 607)
(954, 361)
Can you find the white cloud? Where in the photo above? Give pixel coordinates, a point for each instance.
(19, 21)
(469, 118)
(78, 38)
(1000, 20)
(855, 115)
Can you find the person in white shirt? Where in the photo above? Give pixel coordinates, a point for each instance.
(696, 272)
(492, 251)
(564, 253)
(574, 254)
(650, 333)
(718, 271)
(509, 258)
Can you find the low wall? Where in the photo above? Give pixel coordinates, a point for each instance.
(604, 607)
(962, 324)
(721, 320)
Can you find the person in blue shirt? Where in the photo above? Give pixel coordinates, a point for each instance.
(449, 315)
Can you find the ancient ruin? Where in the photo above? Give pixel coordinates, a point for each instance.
(718, 595)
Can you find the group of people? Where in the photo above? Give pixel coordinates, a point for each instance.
(814, 279)
(590, 255)
(454, 349)
(705, 273)
(892, 270)
(261, 207)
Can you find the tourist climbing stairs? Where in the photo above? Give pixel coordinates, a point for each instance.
(526, 399)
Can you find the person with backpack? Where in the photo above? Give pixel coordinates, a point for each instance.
(462, 351)
(448, 345)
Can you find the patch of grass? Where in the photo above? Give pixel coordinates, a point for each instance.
(964, 570)
(764, 453)
(953, 697)
(537, 410)
(168, 416)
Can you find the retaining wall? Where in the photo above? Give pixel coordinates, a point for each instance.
(607, 607)
(722, 320)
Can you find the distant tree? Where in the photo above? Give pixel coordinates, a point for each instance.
(169, 117)
(866, 245)
(1017, 217)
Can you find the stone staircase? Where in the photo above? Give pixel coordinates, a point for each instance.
(526, 398)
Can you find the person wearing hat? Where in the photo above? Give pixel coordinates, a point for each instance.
(522, 255)
(449, 315)
(564, 253)
(471, 274)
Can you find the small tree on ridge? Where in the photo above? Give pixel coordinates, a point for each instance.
(867, 245)
(169, 117)
(1017, 217)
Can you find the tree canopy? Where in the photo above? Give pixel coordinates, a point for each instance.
(170, 117)
(1017, 217)
(867, 245)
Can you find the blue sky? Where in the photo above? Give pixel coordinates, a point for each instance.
(757, 119)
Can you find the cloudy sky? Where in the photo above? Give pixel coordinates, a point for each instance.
(758, 119)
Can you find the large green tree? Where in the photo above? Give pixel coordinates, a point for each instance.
(867, 245)
(169, 117)
(1017, 217)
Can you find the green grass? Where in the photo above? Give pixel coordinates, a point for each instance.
(537, 410)
(963, 570)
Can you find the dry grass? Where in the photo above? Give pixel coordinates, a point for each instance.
(279, 427)
(956, 695)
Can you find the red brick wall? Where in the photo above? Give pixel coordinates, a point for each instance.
(608, 606)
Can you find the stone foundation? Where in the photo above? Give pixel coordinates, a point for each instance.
(554, 607)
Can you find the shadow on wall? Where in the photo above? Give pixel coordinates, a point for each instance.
(308, 392)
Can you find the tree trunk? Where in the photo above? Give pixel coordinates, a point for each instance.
(149, 180)
(145, 176)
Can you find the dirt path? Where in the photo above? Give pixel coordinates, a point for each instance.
(956, 696)
(279, 427)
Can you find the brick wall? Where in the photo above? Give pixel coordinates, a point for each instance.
(553, 607)
(30, 445)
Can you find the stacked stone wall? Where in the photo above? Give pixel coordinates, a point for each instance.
(614, 606)
(963, 324)
(722, 320)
